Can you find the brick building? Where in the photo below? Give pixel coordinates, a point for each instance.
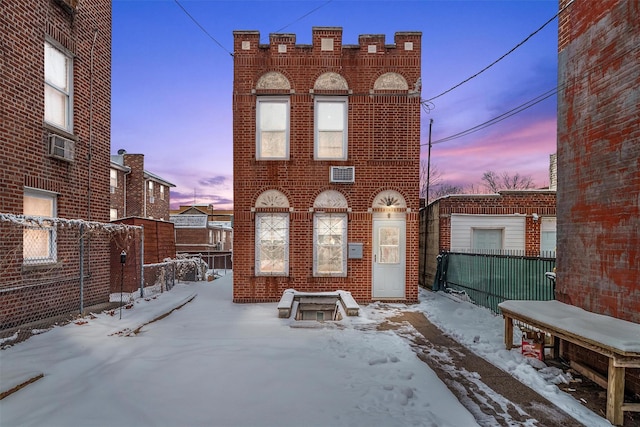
(326, 165)
(199, 229)
(599, 162)
(518, 222)
(55, 94)
(136, 192)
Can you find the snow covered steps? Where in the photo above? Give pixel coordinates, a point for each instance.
(290, 296)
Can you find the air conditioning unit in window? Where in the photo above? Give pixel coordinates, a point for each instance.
(342, 174)
(61, 148)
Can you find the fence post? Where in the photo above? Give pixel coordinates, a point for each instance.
(81, 268)
(142, 262)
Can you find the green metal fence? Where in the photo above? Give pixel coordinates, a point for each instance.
(490, 279)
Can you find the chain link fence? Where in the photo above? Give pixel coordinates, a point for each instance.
(53, 269)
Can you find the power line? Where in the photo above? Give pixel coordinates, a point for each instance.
(499, 118)
(501, 58)
(534, 101)
(304, 16)
(202, 28)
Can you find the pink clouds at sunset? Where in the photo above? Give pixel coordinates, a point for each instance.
(523, 150)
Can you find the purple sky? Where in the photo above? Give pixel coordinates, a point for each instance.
(172, 83)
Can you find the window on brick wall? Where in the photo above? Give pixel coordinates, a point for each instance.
(272, 128)
(330, 128)
(113, 180)
(57, 87)
(272, 244)
(152, 199)
(548, 236)
(330, 244)
(39, 235)
(113, 214)
(162, 192)
(487, 240)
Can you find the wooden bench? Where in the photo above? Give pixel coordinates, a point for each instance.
(617, 339)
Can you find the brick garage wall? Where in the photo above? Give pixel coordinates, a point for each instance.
(383, 145)
(159, 244)
(506, 202)
(82, 185)
(599, 163)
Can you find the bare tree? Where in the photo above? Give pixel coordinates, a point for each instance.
(434, 179)
(444, 189)
(506, 181)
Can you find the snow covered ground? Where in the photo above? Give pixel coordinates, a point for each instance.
(215, 363)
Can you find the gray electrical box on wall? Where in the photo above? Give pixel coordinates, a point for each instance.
(355, 250)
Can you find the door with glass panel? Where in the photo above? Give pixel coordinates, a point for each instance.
(389, 248)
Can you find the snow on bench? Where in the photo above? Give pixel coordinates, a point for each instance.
(617, 339)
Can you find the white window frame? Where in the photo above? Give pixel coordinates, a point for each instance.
(548, 236)
(260, 223)
(320, 126)
(161, 192)
(113, 180)
(262, 103)
(474, 240)
(58, 89)
(113, 214)
(320, 246)
(39, 237)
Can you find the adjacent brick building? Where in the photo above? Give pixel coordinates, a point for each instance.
(326, 165)
(136, 192)
(598, 265)
(199, 229)
(517, 222)
(55, 99)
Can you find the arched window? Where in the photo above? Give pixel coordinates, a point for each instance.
(272, 118)
(272, 234)
(330, 235)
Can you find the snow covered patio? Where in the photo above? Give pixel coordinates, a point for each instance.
(213, 362)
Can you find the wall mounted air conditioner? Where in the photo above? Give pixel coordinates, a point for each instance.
(342, 174)
(61, 148)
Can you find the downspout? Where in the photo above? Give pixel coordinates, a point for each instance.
(81, 284)
(144, 204)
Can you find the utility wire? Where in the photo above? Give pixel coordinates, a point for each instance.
(303, 16)
(533, 101)
(202, 28)
(499, 118)
(499, 59)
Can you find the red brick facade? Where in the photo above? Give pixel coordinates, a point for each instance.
(79, 184)
(383, 147)
(599, 158)
(599, 162)
(139, 193)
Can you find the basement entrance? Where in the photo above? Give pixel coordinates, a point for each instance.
(318, 308)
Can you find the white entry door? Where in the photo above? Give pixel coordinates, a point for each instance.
(389, 248)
